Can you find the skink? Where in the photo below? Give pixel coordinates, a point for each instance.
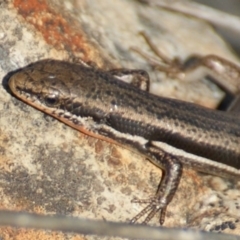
(172, 134)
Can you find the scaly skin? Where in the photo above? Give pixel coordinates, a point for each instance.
(171, 133)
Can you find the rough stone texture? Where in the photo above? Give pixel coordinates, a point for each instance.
(47, 167)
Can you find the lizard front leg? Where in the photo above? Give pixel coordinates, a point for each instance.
(170, 164)
(168, 185)
(137, 78)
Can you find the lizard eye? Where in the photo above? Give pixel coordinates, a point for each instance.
(51, 99)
